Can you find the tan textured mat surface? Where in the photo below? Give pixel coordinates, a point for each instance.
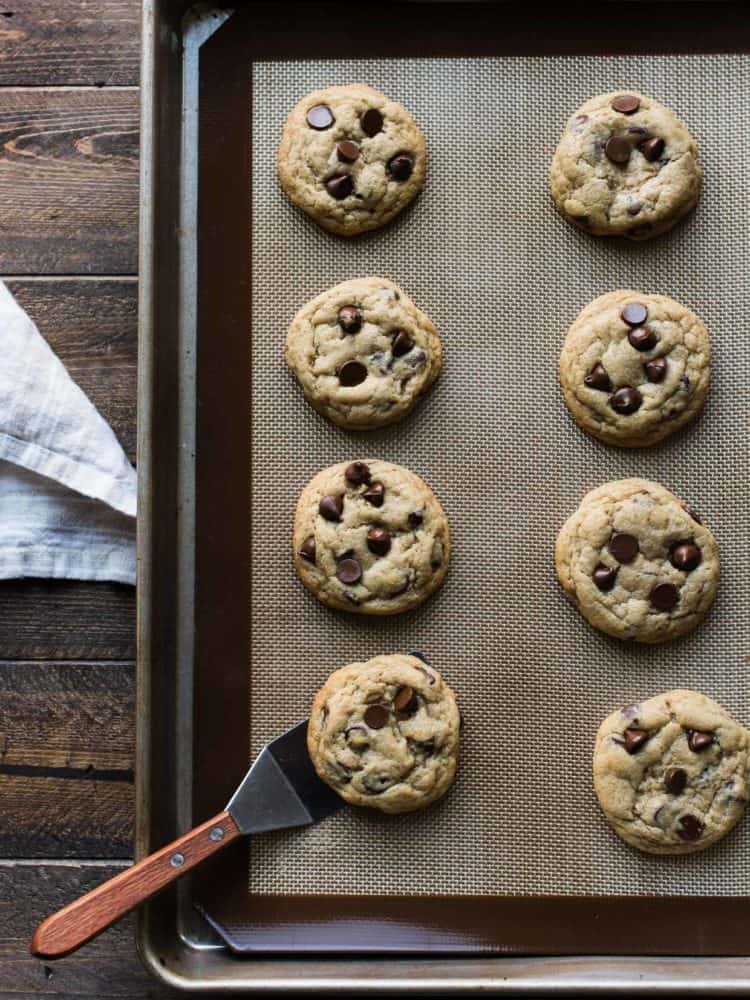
(502, 275)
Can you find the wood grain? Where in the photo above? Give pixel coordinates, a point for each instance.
(92, 325)
(44, 43)
(66, 760)
(68, 181)
(107, 968)
(66, 620)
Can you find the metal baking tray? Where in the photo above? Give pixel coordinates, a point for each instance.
(194, 569)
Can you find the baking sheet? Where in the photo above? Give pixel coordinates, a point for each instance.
(485, 255)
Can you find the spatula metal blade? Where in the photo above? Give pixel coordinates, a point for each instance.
(282, 789)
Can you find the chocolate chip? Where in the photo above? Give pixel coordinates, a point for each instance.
(347, 151)
(623, 547)
(691, 827)
(378, 541)
(307, 549)
(402, 344)
(330, 507)
(642, 339)
(625, 400)
(375, 494)
(340, 186)
(415, 519)
(618, 149)
(652, 148)
(634, 739)
(405, 700)
(350, 319)
(349, 571)
(692, 513)
(352, 373)
(626, 104)
(686, 556)
(634, 207)
(634, 314)
(359, 730)
(598, 378)
(675, 780)
(655, 369)
(377, 716)
(604, 577)
(320, 117)
(639, 131)
(423, 746)
(357, 473)
(664, 596)
(698, 741)
(400, 167)
(371, 122)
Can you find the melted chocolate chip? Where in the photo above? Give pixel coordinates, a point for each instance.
(664, 597)
(618, 149)
(320, 117)
(359, 731)
(691, 827)
(692, 513)
(698, 741)
(675, 780)
(347, 151)
(350, 319)
(634, 739)
(375, 494)
(378, 541)
(598, 378)
(686, 556)
(376, 716)
(330, 507)
(406, 700)
(634, 314)
(634, 207)
(415, 519)
(655, 369)
(357, 473)
(400, 167)
(642, 339)
(604, 577)
(652, 148)
(307, 549)
(339, 186)
(623, 547)
(402, 344)
(625, 400)
(352, 373)
(349, 571)
(626, 104)
(371, 122)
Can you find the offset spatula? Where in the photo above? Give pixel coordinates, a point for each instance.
(280, 790)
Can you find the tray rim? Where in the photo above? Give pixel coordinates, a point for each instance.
(171, 30)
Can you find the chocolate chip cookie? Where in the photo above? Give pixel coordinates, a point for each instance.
(385, 733)
(370, 537)
(637, 562)
(625, 166)
(671, 773)
(351, 158)
(634, 368)
(363, 353)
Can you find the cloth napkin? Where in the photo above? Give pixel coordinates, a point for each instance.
(67, 489)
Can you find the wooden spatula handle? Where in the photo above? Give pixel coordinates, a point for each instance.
(83, 919)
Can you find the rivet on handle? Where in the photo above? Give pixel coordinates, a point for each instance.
(177, 860)
(216, 834)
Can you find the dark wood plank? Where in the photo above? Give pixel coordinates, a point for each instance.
(66, 620)
(66, 760)
(68, 181)
(104, 969)
(93, 326)
(43, 44)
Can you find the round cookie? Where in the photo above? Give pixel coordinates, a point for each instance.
(625, 166)
(637, 562)
(671, 773)
(385, 733)
(363, 353)
(351, 158)
(370, 537)
(634, 368)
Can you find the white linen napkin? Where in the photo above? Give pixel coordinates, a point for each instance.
(67, 489)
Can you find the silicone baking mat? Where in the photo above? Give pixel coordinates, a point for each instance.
(484, 253)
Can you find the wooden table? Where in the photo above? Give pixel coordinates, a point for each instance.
(68, 234)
